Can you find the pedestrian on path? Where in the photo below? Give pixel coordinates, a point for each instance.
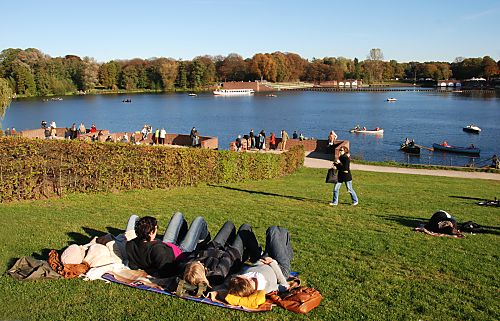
(344, 176)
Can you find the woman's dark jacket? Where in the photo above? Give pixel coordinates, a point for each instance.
(220, 261)
(344, 169)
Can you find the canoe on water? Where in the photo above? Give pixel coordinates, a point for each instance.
(457, 149)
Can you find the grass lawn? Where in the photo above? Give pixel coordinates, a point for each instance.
(365, 260)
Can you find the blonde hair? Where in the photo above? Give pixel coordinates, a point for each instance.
(240, 286)
(194, 274)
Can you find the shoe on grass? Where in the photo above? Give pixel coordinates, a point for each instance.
(332, 204)
(355, 203)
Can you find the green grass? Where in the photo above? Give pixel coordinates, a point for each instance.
(365, 260)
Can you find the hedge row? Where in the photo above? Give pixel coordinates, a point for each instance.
(34, 169)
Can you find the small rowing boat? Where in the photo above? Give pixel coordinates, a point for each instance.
(472, 129)
(392, 99)
(363, 130)
(471, 150)
(410, 148)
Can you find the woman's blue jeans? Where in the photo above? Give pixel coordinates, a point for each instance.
(336, 189)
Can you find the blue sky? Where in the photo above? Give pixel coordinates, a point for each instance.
(424, 30)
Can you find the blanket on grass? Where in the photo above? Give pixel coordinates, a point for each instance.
(213, 298)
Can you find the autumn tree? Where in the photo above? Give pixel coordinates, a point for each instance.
(297, 66)
(489, 67)
(262, 66)
(233, 68)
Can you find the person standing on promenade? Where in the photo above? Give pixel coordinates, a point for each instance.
(252, 139)
(272, 141)
(163, 134)
(345, 176)
(157, 136)
(332, 137)
(284, 138)
(82, 129)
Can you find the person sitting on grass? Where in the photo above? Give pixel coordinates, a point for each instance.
(223, 256)
(270, 273)
(161, 258)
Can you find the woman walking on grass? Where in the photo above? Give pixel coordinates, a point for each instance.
(345, 176)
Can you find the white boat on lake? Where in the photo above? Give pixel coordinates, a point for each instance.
(357, 130)
(472, 129)
(234, 92)
(392, 99)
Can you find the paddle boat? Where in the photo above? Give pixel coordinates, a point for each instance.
(471, 128)
(192, 94)
(271, 95)
(392, 99)
(363, 130)
(444, 147)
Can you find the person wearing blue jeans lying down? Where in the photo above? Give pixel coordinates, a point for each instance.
(160, 258)
(270, 273)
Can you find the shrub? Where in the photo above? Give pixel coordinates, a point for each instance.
(33, 169)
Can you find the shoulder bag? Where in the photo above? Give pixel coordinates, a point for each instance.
(332, 176)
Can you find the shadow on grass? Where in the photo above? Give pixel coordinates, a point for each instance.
(405, 220)
(79, 238)
(298, 198)
(468, 198)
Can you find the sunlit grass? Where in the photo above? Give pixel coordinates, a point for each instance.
(365, 260)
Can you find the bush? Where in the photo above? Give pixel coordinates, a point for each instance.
(33, 169)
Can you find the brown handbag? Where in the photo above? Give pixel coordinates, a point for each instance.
(299, 300)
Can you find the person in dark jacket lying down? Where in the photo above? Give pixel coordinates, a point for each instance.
(224, 255)
(442, 222)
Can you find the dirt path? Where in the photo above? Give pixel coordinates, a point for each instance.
(321, 163)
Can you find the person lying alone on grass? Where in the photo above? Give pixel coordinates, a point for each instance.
(161, 258)
(443, 223)
(270, 273)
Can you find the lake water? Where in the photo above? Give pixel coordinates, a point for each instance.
(427, 117)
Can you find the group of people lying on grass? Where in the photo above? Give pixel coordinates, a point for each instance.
(190, 253)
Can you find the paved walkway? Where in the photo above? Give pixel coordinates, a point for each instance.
(322, 163)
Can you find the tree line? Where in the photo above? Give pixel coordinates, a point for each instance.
(30, 72)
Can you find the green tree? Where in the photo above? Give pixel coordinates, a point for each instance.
(374, 66)
(182, 75)
(108, 74)
(5, 97)
(24, 78)
(129, 78)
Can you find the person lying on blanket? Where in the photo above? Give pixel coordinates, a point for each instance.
(224, 255)
(270, 273)
(161, 258)
(443, 223)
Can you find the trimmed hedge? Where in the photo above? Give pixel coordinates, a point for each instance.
(34, 169)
